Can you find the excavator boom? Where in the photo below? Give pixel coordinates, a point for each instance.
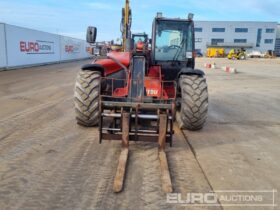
(126, 26)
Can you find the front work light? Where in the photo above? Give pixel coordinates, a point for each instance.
(190, 16)
(159, 15)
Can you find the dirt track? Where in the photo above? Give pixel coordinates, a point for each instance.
(47, 161)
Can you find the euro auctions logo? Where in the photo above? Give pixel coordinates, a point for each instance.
(69, 48)
(36, 47)
(75, 48)
(226, 198)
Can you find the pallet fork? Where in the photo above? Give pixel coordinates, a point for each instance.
(125, 126)
(131, 109)
(165, 175)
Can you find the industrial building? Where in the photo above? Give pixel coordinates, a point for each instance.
(250, 35)
(277, 41)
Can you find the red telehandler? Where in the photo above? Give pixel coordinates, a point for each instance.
(133, 94)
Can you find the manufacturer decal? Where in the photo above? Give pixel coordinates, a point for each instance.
(152, 92)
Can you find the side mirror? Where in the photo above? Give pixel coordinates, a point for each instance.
(91, 34)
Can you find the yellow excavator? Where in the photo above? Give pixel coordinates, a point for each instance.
(125, 28)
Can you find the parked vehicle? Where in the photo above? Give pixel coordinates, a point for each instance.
(270, 54)
(237, 54)
(216, 52)
(255, 54)
(198, 53)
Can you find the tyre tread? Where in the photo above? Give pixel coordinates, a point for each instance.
(194, 104)
(86, 98)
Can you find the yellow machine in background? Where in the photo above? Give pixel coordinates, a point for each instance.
(239, 54)
(270, 54)
(126, 26)
(126, 22)
(215, 52)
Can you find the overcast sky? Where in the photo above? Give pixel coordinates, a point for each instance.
(71, 17)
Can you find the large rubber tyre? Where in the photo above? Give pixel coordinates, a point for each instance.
(194, 102)
(86, 98)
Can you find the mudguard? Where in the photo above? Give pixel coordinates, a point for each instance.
(110, 65)
(190, 71)
(94, 67)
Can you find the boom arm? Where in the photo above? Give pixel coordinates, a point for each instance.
(126, 26)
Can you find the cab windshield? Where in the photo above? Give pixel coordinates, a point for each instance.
(174, 40)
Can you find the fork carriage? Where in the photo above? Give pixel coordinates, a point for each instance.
(144, 115)
(131, 119)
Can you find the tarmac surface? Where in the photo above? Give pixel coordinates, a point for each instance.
(47, 161)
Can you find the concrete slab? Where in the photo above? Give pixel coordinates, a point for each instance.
(239, 148)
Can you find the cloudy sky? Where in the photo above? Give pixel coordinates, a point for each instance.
(71, 17)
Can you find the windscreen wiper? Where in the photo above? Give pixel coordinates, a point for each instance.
(179, 50)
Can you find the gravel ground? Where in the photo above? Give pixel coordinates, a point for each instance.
(239, 148)
(47, 161)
